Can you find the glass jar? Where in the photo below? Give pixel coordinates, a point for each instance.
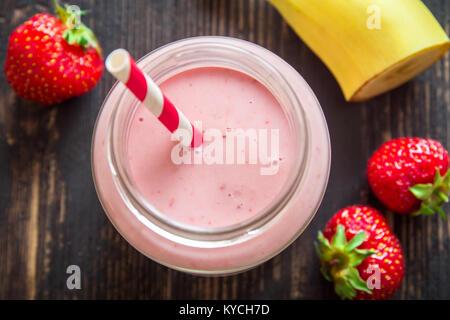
(240, 246)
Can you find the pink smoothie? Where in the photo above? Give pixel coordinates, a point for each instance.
(217, 195)
(214, 195)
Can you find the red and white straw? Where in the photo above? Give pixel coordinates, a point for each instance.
(122, 66)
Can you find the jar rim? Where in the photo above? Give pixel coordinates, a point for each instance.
(196, 236)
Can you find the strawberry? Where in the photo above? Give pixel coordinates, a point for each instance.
(405, 174)
(361, 254)
(52, 59)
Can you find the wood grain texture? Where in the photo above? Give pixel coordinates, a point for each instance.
(50, 216)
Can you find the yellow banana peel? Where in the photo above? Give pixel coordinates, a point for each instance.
(370, 46)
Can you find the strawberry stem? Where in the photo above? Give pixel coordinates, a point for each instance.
(77, 32)
(433, 195)
(340, 259)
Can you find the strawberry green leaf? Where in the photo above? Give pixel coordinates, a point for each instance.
(441, 212)
(422, 191)
(326, 274)
(339, 240)
(356, 241)
(443, 196)
(344, 289)
(359, 255)
(77, 32)
(433, 196)
(324, 241)
(355, 280)
(339, 261)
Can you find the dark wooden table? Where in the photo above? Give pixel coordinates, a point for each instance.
(50, 216)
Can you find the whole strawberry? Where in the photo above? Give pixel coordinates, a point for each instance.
(410, 175)
(360, 254)
(52, 59)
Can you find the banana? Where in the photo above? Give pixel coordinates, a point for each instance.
(370, 46)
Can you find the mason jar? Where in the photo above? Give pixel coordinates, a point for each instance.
(238, 246)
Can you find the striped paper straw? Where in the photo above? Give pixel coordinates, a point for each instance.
(122, 66)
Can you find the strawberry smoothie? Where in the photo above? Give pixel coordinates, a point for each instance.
(213, 195)
(215, 218)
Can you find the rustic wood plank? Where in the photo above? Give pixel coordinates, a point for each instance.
(50, 216)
